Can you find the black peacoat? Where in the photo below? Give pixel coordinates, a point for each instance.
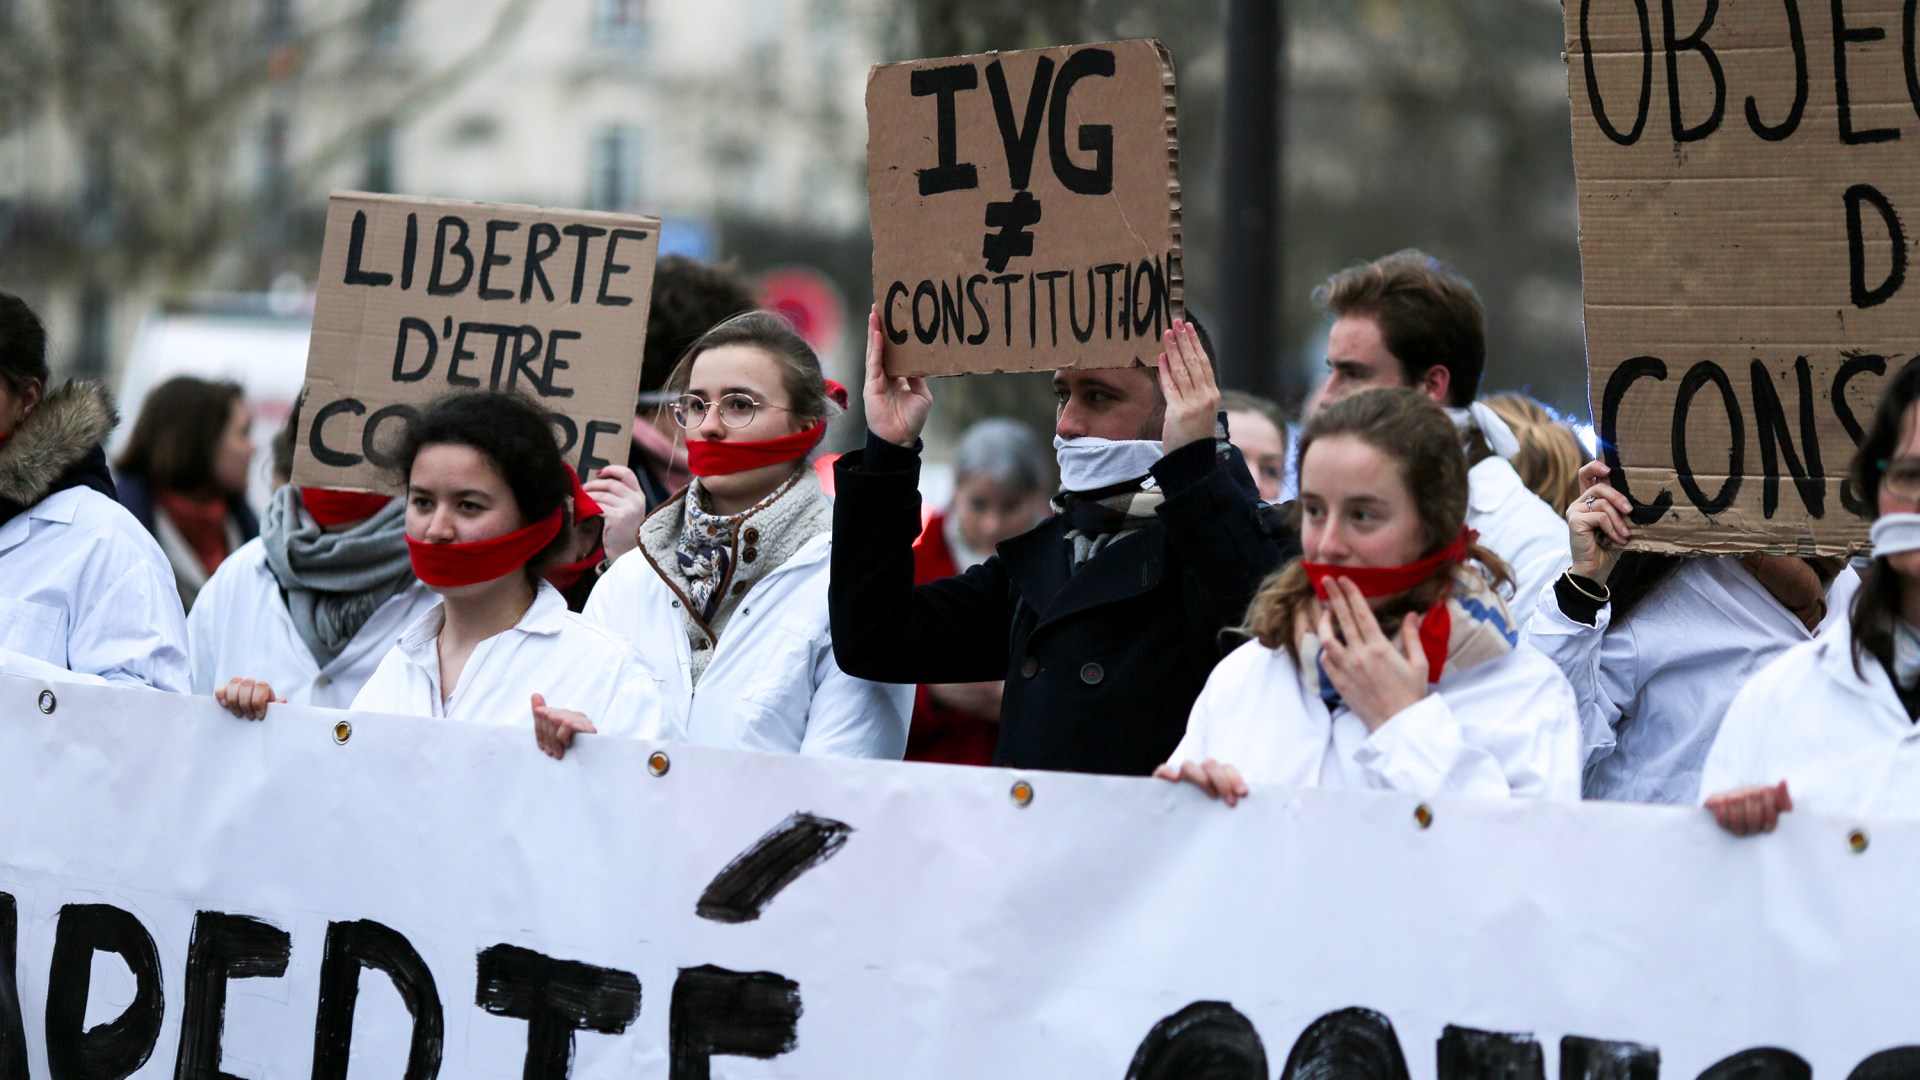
(1103, 664)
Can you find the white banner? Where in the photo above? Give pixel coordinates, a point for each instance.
(190, 895)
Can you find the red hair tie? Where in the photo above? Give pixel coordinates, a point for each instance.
(450, 565)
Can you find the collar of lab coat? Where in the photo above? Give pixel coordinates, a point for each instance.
(546, 615)
(1491, 483)
(1835, 650)
(58, 507)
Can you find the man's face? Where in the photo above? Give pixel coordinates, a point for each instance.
(1357, 359)
(1108, 403)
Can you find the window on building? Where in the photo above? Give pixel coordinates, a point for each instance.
(620, 22)
(613, 182)
(380, 158)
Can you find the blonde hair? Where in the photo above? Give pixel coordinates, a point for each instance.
(1550, 454)
(1417, 436)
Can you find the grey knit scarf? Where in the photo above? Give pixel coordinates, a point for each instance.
(334, 582)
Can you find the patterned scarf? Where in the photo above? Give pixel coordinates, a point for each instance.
(1471, 628)
(705, 550)
(1098, 518)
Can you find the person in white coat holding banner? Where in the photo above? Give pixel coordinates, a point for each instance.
(487, 499)
(1830, 726)
(725, 594)
(314, 603)
(1384, 659)
(85, 592)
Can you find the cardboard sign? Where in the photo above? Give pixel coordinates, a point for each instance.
(419, 297)
(1026, 208)
(1746, 175)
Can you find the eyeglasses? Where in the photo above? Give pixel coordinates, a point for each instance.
(1900, 477)
(736, 410)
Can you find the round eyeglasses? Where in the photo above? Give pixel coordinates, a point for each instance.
(736, 410)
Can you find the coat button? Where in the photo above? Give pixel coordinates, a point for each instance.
(739, 587)
(701, 645)
(751, 536)
(750, 554)
(1028, 667)
(1091, 674)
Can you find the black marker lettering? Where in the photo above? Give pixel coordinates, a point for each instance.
(120, 1047)
(222, 947)
(979, 309)
(923, 330)
(1053, 306)
(436, 286)
(1087, 63)
(489, 259)
(1843, 35)
(543, 239)
(942, 84)
(563, 424)
(745, 886)
(1698, 376)
(953, 317)
(1776, 440)
(524, 356)
(1073, 316)
(583, 237)
(550, 373)
(896, 335)
(460, 353)
(590, 459)
(327, 455)
(1351, 1044)
(1622, 379)
(1864, 297)
(409, 250)
(1106, 272)
(1020, 138)
(1146, 275)
(716, 1012)
(556, 998)
(610, 269)
(1599, 1059)
(1005, 281)
(1785, 128)
(1467, 1054)
(356, 250)
(1207, 1038)
(411, 325)
(382, 455)
(1694, 42)
(1593, 77)
(353, 947)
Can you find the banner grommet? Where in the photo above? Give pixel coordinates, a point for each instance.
(48, 702)
(1423, 816)
(1857, 841)
(658, 763)
(1022, 793)
(342, 731)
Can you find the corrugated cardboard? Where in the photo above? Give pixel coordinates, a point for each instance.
(563, 319)
(1726, 255)
(1049, 236)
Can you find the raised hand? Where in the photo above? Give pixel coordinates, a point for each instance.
(617, 490)
(1187, 383)
(1597, 526)
(1376, 676)
(896, 408)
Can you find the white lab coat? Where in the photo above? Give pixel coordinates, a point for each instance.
(773, 684)
(239, 625)
(570, 661)
(83, 587)
(1840, 740)
(1504, 727)
(1518, 526)
(1652, 690)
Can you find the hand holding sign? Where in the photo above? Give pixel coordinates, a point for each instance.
(1597, 524)
(897, 408)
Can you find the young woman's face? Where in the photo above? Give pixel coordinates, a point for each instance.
(456, 496)
(727, 370)
(1355, 510)
(233, 455)
(1906, 456)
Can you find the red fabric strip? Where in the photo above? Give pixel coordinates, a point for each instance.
(449, 565)
(329, 507)
(719, 458)
(1378, 581)
(584, 506)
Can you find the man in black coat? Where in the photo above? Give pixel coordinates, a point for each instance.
(1105, 620)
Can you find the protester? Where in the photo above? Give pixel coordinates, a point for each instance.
(1409, 320)
(583, 552)
(183, 474)
(487, 499)
(314, 603)
(1383, 659)
(1657, 645)
(726, 594)
(1550, 454)
(1830, 725)
(690, 297)
(1105, 620)
(83, 589)
(1258, 429)
(1001, 481)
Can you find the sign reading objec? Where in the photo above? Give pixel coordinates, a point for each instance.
(1743, 172)
(419, 297)
(1026, 208)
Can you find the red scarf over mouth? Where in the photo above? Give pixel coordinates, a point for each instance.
(1436, 625)
(451, 565)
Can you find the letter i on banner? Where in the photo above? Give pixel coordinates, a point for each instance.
(420, 297)
(990, 176)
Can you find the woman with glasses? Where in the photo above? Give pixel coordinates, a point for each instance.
(1657, 645)
(1831, 725)
(725, 592)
